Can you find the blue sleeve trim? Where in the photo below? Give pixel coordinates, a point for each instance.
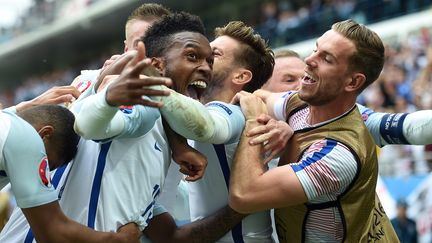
(391, 128)
(316, 156)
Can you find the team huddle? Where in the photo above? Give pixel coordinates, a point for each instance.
(219, 113)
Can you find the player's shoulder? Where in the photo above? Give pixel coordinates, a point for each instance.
(227, 108)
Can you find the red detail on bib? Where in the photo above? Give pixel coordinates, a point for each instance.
(365, 117)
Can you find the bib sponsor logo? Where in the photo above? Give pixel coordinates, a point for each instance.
(44, 172)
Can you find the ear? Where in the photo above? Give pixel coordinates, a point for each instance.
(242, 76)
(46, 132)
(125, 49)
(356, 83)
(158, 63)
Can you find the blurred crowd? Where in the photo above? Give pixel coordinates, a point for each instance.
(40, 14)
(288, 21)
(405, 85)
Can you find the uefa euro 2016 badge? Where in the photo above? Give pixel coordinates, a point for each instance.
(83, 85)
(127, 109)
(44, 174)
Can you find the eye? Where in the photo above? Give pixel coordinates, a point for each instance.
(210, 61)
(192, 56)
(216, 53)
(328, 59)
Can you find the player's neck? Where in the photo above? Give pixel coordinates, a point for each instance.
(329, 111)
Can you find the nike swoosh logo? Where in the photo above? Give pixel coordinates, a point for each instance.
(157, 147)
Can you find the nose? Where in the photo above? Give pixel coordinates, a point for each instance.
(310, 60)
(206, 69)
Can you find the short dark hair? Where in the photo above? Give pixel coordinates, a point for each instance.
(159, 36)
(254, 53)
(62, 120)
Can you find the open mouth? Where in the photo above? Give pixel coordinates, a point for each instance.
(196, 88)
(307, 79)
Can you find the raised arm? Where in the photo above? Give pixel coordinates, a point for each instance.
(53, 96)
(252, 187)
(275, 102)
(398, 128)
(193, 120)
(100, 118)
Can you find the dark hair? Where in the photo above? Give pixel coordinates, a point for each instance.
(62, 120)
(159, 36)
(148, 12)
(254, 53)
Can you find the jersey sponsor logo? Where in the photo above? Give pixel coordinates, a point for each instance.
(126, 109)
(83, 85)
(157, 147)
(228, 110)
(364, 117)
(44, 172)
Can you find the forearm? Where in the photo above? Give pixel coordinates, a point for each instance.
(74, 232)
(97, 120)
(209, 229)
(273, 102)
(247, 166)
(23, 106)
(175, 141)
(190, 118)
(49, 224)
(417, 127)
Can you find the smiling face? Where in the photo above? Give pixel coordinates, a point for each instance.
(224, 53)
(189, 63)
(327, 70)
(287, 74)
(223, 48)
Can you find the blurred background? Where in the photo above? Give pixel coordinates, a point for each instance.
(45, 43)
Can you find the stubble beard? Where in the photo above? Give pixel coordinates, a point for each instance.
(215, 86)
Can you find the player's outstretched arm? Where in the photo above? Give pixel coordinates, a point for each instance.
(49, 224)
(398, 128)
(99, 117)
(193, 120)
(53, 96)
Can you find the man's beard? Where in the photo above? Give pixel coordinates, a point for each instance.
(215, 86)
